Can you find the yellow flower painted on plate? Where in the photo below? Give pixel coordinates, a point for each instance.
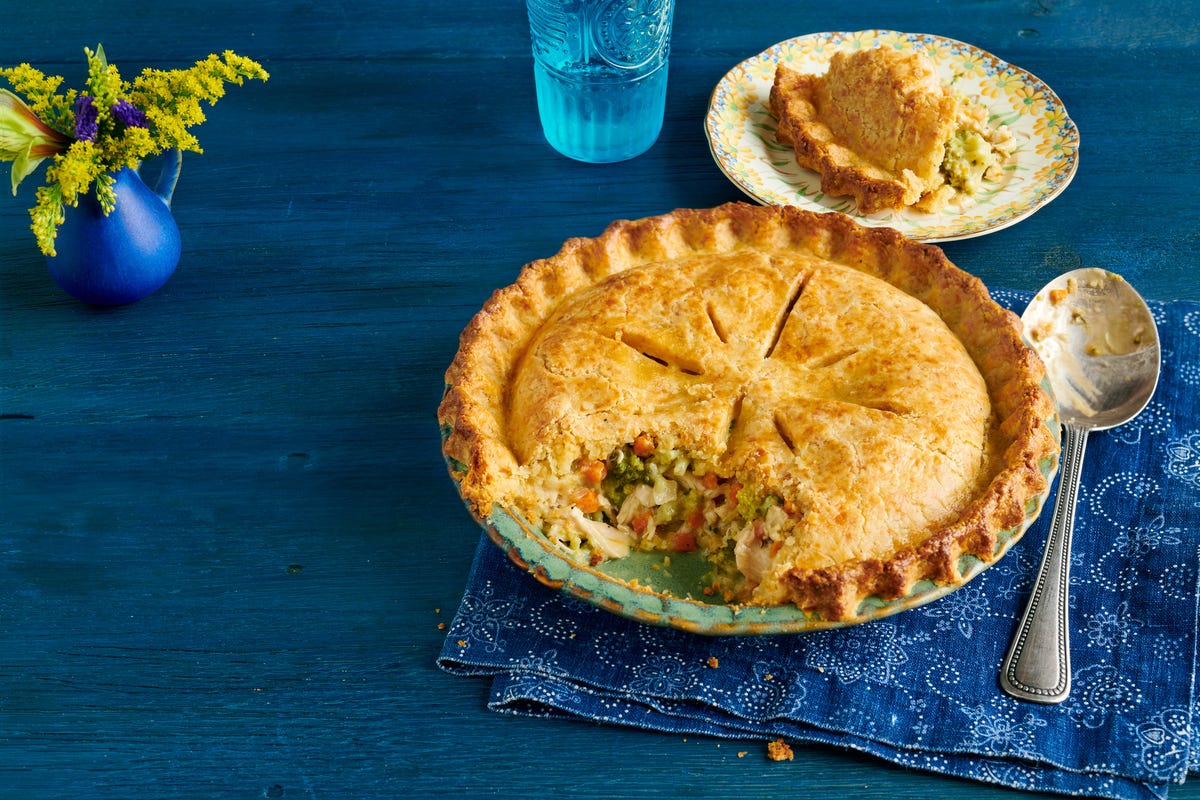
(729, 119)
(859, 41)
(815, 48)
(1013, 208)
(895, 41)
(1026, 99)
(1049, 174)
(972, 67)
(763, 70)
(1051, 121)
(788, 54)
(935, 50)
(1001, 84)
(1057, 148)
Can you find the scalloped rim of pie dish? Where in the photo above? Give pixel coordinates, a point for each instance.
(506, 491)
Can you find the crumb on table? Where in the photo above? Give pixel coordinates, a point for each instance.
(713, 662)
(779, 750)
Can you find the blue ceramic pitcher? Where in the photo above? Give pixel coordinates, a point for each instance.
(128, 254)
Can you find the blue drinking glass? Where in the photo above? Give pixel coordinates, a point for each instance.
(600, 69)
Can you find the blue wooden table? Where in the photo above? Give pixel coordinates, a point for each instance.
(227, 541)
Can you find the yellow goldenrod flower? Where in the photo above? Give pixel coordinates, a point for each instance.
(110, 124)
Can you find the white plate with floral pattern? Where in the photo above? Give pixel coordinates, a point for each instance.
(741, 134)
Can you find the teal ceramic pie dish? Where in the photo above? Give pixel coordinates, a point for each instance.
(879, 391)
(669, 589)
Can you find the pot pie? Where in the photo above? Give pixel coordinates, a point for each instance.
(828, 412)
(881, 126)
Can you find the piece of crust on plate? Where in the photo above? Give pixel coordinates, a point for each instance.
(881, 127)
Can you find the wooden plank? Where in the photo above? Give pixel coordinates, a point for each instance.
(226, 535)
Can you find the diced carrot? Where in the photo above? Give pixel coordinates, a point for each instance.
(586, 500)
(594, 471)
(640, 521)
(644, 445)
(683, 541)
(695, 519)
(734, 488)
(709, 480)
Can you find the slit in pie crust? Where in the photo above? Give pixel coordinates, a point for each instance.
(829, 412)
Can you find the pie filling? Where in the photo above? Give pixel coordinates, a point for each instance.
(974, 156)
(647, 498)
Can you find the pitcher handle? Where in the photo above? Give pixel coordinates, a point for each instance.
(161, 173)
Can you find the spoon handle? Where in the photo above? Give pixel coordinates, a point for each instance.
(1038, 664)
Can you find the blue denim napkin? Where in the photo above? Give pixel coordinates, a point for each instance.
(920, 688)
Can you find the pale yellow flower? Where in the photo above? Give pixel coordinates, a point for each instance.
(1000, 84)
(895, 41)
(1057, 148)
(763, 70)
(974, 67)
(1025, 98)
(935, 50)
(1052, 120)
(859, 41)
(25, 140)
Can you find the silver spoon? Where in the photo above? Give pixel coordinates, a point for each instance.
(1100, 345)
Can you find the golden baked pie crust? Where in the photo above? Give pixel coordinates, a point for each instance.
(731, 333)
(875, 126)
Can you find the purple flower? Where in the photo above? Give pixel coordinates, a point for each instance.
(86, 115)
(128, 114)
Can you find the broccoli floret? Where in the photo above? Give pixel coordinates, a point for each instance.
(752, 504)
(625, 472)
